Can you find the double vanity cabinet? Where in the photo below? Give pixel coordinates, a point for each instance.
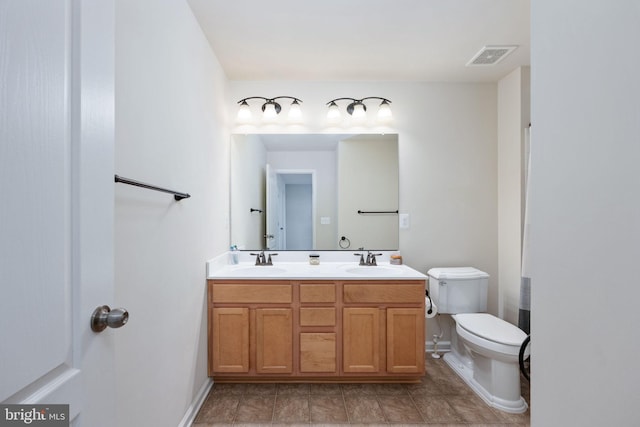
(315, 329)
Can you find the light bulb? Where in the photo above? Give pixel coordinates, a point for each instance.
(244, 113)
(333, 114)
(270, 114)
(359, 113)
(384, 112)
(295, 114)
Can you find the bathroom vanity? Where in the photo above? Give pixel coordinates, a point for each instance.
(334, 322)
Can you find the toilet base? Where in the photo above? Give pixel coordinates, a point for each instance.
(465, 372)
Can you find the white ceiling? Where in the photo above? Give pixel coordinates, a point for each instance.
(373, 40)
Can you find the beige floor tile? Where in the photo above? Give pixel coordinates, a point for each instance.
(261, 389)
(327, 409)
(436, 409)
(390, 389)
(473, 410)
(291, 409)
(364, 409)
(440, 399)
(293, 389)
(219, 408)
(359, 389)
(255, 409)
(325, 389)
(399, 409)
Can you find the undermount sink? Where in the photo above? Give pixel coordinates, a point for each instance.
(373, 270)
(266, 270)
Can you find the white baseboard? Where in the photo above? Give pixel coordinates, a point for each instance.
(192, 411)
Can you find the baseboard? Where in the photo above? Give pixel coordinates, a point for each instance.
(192, 411)
(443, 346)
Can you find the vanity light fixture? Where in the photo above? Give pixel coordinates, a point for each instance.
(358, 110)
(270, 109)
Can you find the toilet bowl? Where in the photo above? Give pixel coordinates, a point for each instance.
(484, 348)
(492, 345)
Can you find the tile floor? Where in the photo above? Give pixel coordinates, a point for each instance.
(442, 398)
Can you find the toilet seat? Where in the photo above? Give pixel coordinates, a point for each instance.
(487, 333)
(491, 328)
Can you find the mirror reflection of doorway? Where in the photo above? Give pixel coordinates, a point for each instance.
(290, 215)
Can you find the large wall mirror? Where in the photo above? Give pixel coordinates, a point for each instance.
(314, 191)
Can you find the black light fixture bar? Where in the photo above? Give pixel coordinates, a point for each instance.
(244, 113)
(355, 102)
(268, 101)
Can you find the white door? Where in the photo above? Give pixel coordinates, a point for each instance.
(273, 236)
(56, 213)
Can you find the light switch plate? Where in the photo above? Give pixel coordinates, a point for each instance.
(404, 220)
(325, 220)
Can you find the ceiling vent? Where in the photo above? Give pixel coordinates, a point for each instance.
(490, 55)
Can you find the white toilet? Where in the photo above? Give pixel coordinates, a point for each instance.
(484, 349)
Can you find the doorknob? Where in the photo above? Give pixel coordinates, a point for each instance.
(103, 316)
(268, 236)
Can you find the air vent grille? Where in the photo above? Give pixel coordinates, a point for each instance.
(490, 55)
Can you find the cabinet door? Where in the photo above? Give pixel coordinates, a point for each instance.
(274, 340)
(318, 352)
(405, 340)
(361, 340)
(229, 338)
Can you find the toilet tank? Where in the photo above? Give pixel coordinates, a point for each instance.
(459, 289)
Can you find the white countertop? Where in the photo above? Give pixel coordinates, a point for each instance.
(301, 270)
(325, 271)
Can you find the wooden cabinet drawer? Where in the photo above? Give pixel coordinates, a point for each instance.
(317, 316)
(384, 293)
(317, 292)
(250, 293)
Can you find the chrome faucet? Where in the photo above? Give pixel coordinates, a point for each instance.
(261, 258)
(371, 259)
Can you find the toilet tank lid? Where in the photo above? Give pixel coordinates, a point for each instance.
(491, 328)
(456, 273)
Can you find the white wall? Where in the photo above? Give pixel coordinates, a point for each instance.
(248, 157)
(169, 132)
(585, 213)
(513, 118)
(447, 158)
(368, 181)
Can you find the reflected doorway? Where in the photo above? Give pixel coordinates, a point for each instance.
(290, 216)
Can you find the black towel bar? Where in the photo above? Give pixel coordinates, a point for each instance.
(176, 194)
(377, 212)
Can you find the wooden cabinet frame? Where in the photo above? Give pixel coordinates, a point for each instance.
(320, 331)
